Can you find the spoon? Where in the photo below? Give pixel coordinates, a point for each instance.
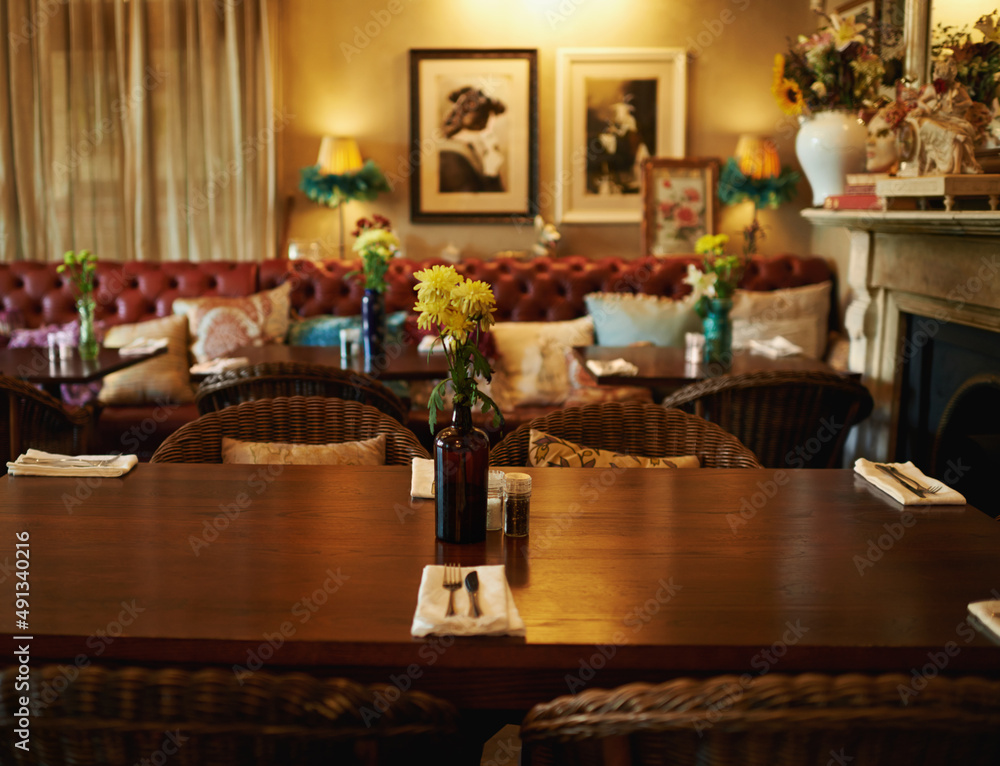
(472, 585)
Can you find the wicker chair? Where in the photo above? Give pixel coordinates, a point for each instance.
(267, 380)
(296, 419)
(781, 416)
(635, 428)
(33, 418)
(128, 715)
(806, 720)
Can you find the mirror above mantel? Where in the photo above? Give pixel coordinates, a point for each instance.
(920, 19)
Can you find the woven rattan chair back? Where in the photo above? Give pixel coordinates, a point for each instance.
(806, 720)
(33, 418)
(209, 717)
(634, 428)
(270, 379)
(295, 419)
(793, 419)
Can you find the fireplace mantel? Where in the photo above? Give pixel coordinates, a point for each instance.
(936, 264)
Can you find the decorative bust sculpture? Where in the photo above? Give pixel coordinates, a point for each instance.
(882, 146)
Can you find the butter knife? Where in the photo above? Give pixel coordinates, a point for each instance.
(899, 479)
(472, 585)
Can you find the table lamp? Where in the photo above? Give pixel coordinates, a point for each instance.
(755, 174)
(340, 176)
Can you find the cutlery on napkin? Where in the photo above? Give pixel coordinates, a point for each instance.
(870, 471)
(775, 348)
(422, 477)
(612, 367)
(38, 463)
(143, 346)
(499, 615)
(219, 365)
(988, 614)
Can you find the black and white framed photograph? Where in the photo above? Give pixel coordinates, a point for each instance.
(616, 107)
(473, 135)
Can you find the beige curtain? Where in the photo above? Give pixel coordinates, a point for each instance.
(138, 129)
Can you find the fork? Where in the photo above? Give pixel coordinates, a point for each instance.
(911, 484)
(452, 582)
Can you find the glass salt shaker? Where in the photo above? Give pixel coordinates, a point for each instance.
(517, 503)
(494, 501)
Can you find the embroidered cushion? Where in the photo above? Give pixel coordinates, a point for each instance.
(364, 452)
(219, 326)
(545, 450)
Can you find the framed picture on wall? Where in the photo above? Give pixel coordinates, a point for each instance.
(473, 135)
(615, 108)
(678, 204)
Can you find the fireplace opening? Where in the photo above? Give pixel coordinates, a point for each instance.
(946, 371)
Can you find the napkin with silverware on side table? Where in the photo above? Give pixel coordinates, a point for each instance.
(38, 463)
(496, 603)
(896, 489)
(988, 614)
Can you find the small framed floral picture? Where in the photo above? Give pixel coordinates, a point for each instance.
(679, 203)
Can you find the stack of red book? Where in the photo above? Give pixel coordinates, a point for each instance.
(859, 193)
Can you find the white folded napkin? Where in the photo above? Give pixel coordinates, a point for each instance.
(612, 367)
(988, 613)
(775, 348)
(886, 483)
(214, 366)
(430, 343)
(422, 478)
(499, 615)
(38, 463)
(143, 346)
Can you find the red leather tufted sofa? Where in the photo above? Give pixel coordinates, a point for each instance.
(540, 289)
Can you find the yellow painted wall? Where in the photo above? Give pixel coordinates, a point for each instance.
(331, 90)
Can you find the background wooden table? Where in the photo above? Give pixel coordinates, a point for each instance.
(403, 361)
(35, 365)
(626, 575)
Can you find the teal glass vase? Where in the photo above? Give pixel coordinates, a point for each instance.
(718, 327)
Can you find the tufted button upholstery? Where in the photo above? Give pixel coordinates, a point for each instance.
(536, 290)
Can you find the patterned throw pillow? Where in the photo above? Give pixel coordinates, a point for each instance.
(531, 359)
(219, 326)
(365, 452)
(545, 450)
(800, 314)
(163, 378)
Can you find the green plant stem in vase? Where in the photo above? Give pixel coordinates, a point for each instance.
(82, 269)
(714, 286)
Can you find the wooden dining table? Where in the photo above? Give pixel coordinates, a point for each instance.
(626, 575)
(39, 365)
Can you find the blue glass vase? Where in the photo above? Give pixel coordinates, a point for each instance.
(718, 327)
(373, 330)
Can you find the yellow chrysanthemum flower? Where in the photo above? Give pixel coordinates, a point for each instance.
(789, 97)
(381, 241)
(474, 299)
(711, 243)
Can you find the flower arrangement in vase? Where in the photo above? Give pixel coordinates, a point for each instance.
(825, 79)
(714, 286)
(376, 244)
(460, 310)
(82, 270)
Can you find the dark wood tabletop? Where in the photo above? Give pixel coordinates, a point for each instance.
(36, 365)
(402, 361)
(662, 366)
(626, 575)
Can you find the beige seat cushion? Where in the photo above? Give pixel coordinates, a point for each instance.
(219, 326)
(163, 378)
(365, 452)
(800, 314)
(545, 450)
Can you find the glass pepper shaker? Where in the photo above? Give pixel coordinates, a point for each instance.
(516, 504)
(494, 501)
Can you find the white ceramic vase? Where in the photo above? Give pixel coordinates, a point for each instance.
(830, 145)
